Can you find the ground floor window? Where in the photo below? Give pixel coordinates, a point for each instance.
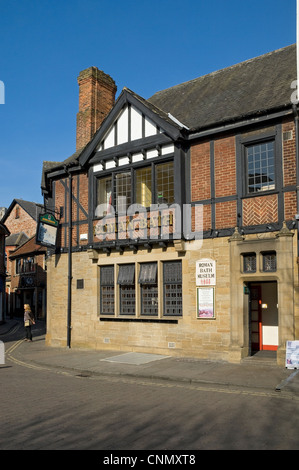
(107, 290)
(172, 273)
(126, 282)
(269, 261)
(149, 289)
(142, 289)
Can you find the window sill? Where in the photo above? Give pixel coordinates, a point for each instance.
(139, 319)
(260, 193)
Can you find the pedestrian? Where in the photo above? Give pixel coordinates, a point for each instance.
(28, 321)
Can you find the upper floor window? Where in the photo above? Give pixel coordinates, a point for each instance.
(260, 167)
(144, 186)
(25, 265)
(153, 184)
(164, 183)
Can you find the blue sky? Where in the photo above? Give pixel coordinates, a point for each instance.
(144, 45)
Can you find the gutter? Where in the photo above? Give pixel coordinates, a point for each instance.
(229, 126)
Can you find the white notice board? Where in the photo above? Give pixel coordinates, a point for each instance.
(292, 355)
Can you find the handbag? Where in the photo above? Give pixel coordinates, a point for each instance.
(27, 322)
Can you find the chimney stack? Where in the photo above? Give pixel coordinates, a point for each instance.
(96, 98)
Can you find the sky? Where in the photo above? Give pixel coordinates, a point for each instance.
(144, 45)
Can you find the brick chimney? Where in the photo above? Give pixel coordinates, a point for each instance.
(96, 98)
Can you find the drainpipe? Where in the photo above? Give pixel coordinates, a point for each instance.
(69, 300)
(295, 110)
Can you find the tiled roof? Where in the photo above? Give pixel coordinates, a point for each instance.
(28, 248)
(252, 87)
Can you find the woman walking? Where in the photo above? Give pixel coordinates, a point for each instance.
(28, 321)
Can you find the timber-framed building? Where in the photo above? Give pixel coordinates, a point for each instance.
(178, 229)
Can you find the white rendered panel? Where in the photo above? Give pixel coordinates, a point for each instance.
(98, 167)
(136, 124)
(152, 153)
(110, 164)
(138, 157)
(123, 127)
(123, 161)
(167, 149)
(150, 128)
(109, 139)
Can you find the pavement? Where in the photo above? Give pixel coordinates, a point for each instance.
(256, 374)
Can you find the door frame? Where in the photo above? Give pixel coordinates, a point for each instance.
(252, 346)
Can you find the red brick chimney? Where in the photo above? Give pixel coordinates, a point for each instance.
(96, 98)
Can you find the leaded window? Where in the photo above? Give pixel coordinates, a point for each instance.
(122, 191)
(249, 263)
(260, 167)
(165, 183)
(144, 186)
(172, 281)
(104, 195)
(148, 185)
(126, 282)
(107, 290)
(269, 261)
(149, 288)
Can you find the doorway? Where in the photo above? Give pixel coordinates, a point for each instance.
(263, 316)
(21, 297)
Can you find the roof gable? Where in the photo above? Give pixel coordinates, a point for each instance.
(29, 247)
(32, 208)
(131, 119)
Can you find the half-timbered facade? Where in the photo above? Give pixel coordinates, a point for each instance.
(178, 229)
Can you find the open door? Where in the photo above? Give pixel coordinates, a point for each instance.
(263, 316)
(256, 318)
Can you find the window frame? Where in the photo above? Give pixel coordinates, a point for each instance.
(251, 255)
(126, 288)
(269, 253)
(113, 173)
(123, 285)
(259, 137)
(261, 191)
(102, 268)
(177, 282)
(149, 285)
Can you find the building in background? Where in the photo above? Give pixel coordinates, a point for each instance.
(178, 231)
(21, 219)
(28, 278)
(4, 232)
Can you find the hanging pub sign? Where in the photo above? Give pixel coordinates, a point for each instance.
(47, 230)
(206, 272)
